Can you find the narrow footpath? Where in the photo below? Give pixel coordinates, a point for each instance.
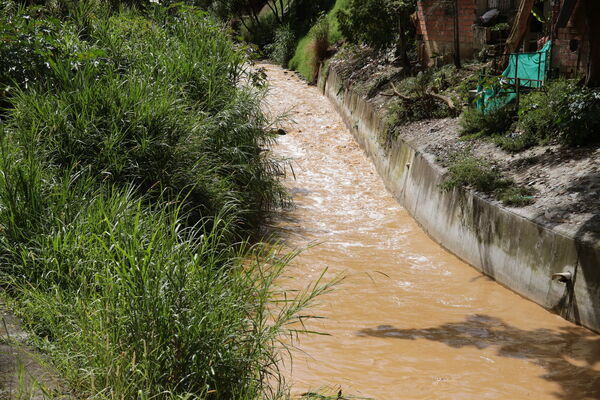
(410, 321)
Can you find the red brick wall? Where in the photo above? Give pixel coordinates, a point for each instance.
(570, 62)
(436, 25)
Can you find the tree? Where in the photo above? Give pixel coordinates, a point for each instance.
(519, 28)
(380, 24)
(240, 9)
(403, 9)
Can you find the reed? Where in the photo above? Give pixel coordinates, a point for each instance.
(131, 171)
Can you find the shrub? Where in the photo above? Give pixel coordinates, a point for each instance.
(562, 111)
(380, 24)
(24, 49)
(417, 102)
(371, 22)
(261, 32)
(303, 14)
(417, 109)
(476, 123)
(282, 49)
(319, 35)
(483, 176)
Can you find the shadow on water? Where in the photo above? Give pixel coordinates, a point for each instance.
(282, 226)
(568, 354)
(279, 228)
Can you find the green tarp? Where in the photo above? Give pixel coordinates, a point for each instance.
(531, 70)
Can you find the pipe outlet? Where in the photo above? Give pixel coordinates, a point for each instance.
(563, 277)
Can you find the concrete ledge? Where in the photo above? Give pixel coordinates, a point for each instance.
(513, 249)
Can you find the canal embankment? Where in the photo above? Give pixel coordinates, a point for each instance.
(410, 320)
(514, 246)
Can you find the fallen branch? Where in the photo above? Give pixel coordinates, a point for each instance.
(397, 93)
(445, 99)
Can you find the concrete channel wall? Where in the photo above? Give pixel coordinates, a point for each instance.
(513, 249)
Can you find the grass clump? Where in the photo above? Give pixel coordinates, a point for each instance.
(161, 112)
(129, 182)
(475, 123)
(483, 176)
(467, 170)
(516, 196)
(304, 60)
(319, 35)
(282, 49)
(131, 305)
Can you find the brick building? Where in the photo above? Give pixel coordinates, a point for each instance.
(436, 23)
(566, 22)
(571, 50)
(436, 29)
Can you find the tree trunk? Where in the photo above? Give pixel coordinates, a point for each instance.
(282, 10)
(245, 25)
(456, 37)
(593, 70)
(273, 8)
(401, 49)
(254, 14)
(519, 28)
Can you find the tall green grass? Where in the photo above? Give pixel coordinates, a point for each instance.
(132, 305)
(131, 170)
(159, 107)
(304, 57)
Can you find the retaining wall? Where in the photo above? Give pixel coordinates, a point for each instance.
(513, 249)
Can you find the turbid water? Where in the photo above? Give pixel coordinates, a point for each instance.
(410, 321)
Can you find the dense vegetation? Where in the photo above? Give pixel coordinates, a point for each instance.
(380, 24)
(561, 112)
(278, 28)
(132, 167)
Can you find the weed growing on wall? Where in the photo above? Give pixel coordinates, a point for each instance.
(466, 170)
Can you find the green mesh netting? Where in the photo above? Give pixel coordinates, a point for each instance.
(531, 70)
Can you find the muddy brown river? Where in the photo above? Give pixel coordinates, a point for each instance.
(410, 320)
